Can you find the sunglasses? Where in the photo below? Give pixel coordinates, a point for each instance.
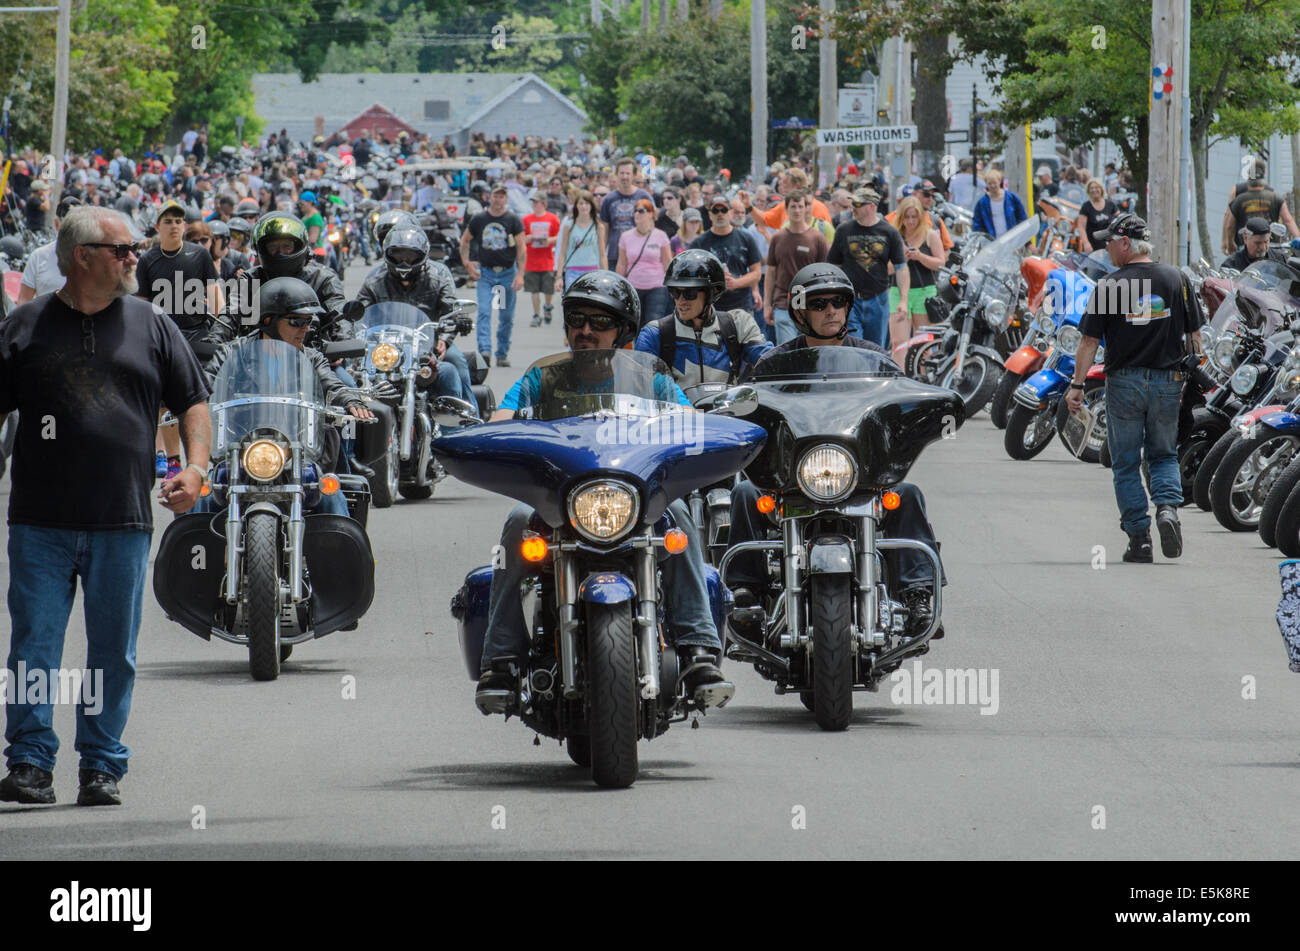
(822, 303)
(719, 210)
(643, 211)
(120, 251)
(298, 321)
(204, 241)
(684, 293)
(597, 322)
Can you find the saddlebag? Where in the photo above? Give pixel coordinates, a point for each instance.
(469, 606)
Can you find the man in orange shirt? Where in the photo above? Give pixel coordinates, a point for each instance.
(790, 179)
(925, 192)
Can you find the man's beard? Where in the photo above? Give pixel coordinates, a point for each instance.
(126, 285)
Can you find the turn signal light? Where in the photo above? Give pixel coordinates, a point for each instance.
(891, 501)
(329, 484)
(953, 280)
(206, 490)
(533, 548)
(675, 541)
(766, 504)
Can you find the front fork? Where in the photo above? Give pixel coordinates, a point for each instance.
(962, 344)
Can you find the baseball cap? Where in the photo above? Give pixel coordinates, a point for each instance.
(719, 203)
(536, 195)
(692, 214)
(926, 186)
(499, 187)
(40, 185)
(1257, 225)
(307, 196)
(866, 196)
(1126, 226)
(169, 206)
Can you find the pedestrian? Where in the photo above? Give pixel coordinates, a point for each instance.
(670, 217)
(792, 248)
(737, 251)
(865, 248)
(923, 248)
(37, 206)
(88, 369)
(1257, 201)
(1151, 320)
(964, 188)
(541, 229)
(643, 258)
(789, 180)
(42, 275)
(1094, 215)
(499, 263)
(692, 227)
(556, 202)
(1043, 184)
(582, 241)
(618, 210)
(999, 210)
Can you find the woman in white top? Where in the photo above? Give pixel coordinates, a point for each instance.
(582, 235)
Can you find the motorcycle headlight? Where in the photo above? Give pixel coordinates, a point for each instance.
(1207, 337)
(1225, 351)
(1045, 324)
(1244, 379)
(997, 313)
(1101, 354)
(1067, 340)
(827, 473)
(385, 357)
(602, 511)
(1288, 383)
(264, 459)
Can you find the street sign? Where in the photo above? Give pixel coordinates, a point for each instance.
(857, 107)
(956, 135)
(794, 122)
(869, 135)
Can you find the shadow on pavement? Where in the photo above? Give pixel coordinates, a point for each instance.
(798, 720)
(210, 670)
(539, 777)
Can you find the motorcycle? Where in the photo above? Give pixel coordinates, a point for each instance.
(266, 576)
(843, 426)
(599, 469)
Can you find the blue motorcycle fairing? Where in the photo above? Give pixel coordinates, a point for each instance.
(539, 462)
(1282, 421)
(1066, 295)
(607, 587)
(1047, 385)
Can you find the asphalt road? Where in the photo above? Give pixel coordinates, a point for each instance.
(1120, 728)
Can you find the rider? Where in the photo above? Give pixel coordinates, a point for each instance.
(827, 295)
(1255, 246)
(601, 312)
(701, 343)
(407, 275)
(287, 308)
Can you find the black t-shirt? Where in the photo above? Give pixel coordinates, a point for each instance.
(800, 342)
(666, 225)
(738, 252)
(84, 456)
(1261, 203)
(177, 283)
(33, 213)
(863, 251)
(495, 237)
(1095, 221)
(1142, 312)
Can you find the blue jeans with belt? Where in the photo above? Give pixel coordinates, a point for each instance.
(1142, 416)
(484, 290)
(44, 564)
(869, 319)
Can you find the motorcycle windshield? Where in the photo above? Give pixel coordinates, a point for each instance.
(394, 326)
(391, 313)
(824, 363)
(587, 382)
(995, 270)
(267, 384)
(1269, 275)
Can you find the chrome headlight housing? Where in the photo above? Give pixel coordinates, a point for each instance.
(1288, 382)
(385, 356)
(1068, 338)
(264, 459)
(1225, 352)
(1101, 354)
(1244, 378)
(604, 510)
(1208, 335)
(997, 313)
(1045, 324)
(827, 473)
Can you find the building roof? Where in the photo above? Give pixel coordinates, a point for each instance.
(458, 99)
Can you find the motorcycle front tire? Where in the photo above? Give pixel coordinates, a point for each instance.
(1273, 502)
(1205, 472)
(612, 695)
(1287, 529)
(830, 614)
(262, 585)
(1193, 451)
(1222, 485)
(1018, 422)
(1003, 396)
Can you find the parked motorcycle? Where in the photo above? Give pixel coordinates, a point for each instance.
(599, 468)
(264, 575)
(843, 426)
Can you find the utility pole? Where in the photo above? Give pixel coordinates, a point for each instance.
(758, 91)
(827, 95)
(1166, 133)
(61, 66)
(1185, 152)
(903, 116)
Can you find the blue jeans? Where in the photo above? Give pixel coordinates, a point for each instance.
(1142, 415)
(44, 564)
(869, 319)
(655, 303)
(453, 356)
(783, 326)
(488, 279)
(690, 621)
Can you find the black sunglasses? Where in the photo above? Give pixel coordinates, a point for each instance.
(822, 303)
(298, 321)
(597, 322)
(120, 251)
(719, 210)
(684, 293)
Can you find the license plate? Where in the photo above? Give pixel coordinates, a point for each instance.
(1078, 430)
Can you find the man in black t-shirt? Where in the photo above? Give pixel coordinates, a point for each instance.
(738, 252)
(865, 247)
(1146, 313)
(88, 368)
(497, 261)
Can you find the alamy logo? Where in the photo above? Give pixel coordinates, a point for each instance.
(77, 904)
(57, 685)
(946, 686)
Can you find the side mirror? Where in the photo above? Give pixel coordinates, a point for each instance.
(737, 401)
(344, 348)
(466, 302)
(450, 411)
(353, 310)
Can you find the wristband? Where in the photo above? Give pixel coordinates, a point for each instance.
(1076, 386)
(203, 473)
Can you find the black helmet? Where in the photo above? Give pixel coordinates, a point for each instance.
(818, 279)
(219, 228)
(405, 251)
(280, 224)
(612, 293)
(287, 295)
(11, 246)
(696, 267)
(389, 220)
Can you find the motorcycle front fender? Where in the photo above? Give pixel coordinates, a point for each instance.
(1042, 388)
(607, 587)
(1284, 422)
(1025, 361)
(831, 555)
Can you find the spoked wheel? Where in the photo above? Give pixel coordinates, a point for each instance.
(1094, 398)
(612, 694)
(1277, 496)
(1246, 475)
(1194, 450)
(922, 361)
(979, 379)
(1287, 530)
(1029, 431)
(830, 613)
(262, 591)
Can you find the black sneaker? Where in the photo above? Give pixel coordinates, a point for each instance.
(502, 362)
(536, 321)
(1171, 532)
(496, 687)
(97, 789)
(703, 680)
(28, 784)
(919, 602)
(1139, 548)
(548, 310)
